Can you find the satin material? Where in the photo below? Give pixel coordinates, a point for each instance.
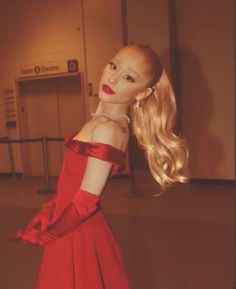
(89, 257)
(99, 150)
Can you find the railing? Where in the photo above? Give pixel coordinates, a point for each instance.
(10, 154)
(44, 141)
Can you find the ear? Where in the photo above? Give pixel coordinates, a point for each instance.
(148, 91)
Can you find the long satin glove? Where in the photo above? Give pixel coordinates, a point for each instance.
(83, 205)
(40, 221)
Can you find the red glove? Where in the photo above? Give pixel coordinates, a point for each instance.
(83, 205)
(40, 221)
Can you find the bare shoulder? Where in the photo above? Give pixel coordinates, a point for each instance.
(110, 132)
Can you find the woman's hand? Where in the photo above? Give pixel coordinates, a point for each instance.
(39, 222)
(27, 234)
(31, 235)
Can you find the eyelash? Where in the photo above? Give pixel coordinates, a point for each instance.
(129, 78)
(114, 67)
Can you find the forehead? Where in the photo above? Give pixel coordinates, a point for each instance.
(133, 58)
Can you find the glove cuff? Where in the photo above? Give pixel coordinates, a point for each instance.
(85, 202)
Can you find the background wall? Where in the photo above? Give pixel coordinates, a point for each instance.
(148, 23)
(206, 37)
(36, 33)
(203, 33)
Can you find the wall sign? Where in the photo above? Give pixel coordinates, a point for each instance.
(9, 108)
(73, 65)
(70, 65)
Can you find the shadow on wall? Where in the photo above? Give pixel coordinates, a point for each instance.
(196, 110)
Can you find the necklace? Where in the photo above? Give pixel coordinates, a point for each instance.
(112, 115)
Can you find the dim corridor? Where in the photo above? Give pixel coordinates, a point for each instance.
(183, 239)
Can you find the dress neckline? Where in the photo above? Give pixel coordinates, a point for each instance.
(71, 138)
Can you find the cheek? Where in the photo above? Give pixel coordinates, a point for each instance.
(103, 79)
(131, 89)
(127, 92)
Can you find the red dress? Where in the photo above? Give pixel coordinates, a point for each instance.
(89, 256)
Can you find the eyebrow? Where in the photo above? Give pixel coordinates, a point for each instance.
(128, 67)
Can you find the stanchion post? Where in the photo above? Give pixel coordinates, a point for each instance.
(45, 167)
(45, 162)
(11, 160)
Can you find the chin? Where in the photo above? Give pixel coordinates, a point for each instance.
(105, 97)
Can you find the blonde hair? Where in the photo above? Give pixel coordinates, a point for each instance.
(153, 125)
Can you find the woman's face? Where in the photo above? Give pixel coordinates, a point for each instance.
(124, 77)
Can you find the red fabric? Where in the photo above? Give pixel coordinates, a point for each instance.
(99, 150)
(89, 256)
(81, 208)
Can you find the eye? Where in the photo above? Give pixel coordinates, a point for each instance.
(129, 78)
(112, 66)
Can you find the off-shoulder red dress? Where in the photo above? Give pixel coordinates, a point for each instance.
(88, 257)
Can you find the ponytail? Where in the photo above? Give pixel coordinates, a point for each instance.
(153, 125)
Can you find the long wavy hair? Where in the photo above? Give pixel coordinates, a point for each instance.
(153, 124)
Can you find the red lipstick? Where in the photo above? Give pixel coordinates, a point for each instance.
(107, 89)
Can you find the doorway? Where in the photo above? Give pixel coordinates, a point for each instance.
(52, 107)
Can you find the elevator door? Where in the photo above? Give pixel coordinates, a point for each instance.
(53, 108)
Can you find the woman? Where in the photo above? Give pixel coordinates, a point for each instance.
(81, 251)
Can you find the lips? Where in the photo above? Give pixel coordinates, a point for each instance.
(107, 89)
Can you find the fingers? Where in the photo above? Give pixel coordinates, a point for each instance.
(27, 235)
(40, 223)
(17, 235)
(31, 235)
(44, 225)
(34, 223)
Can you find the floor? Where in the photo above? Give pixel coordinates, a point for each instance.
(183, 239)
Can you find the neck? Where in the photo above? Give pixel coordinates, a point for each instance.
(114, 112)
(104, 107)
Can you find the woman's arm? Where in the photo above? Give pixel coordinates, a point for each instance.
(85, 201)
(97, 171)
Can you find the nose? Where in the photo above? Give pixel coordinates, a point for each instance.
(112, 80)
